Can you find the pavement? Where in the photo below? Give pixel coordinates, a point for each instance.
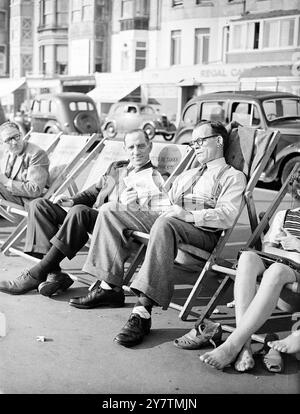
(79, 356)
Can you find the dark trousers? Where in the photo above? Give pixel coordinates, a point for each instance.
(49, 224)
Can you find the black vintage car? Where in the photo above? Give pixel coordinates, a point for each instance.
(258, 109)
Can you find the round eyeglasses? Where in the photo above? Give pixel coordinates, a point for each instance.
(198, 142)
(15, 138)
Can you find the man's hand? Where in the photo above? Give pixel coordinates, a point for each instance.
(288, 241)
(129, 196)
(3, 179)
(63, 200)
(178, 212)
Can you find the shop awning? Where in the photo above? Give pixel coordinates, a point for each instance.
(267, 71)
(8, 86)
(113, 91)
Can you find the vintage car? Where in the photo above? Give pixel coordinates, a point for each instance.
(258, 109)
(69, 112)
(125, 116)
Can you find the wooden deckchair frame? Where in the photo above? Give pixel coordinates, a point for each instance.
(213, 257)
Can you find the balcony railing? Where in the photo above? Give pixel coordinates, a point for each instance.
(135, 23)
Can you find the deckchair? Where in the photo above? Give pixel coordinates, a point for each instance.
(45, 141)
(69, 157)
(290, 294)
(248, 150)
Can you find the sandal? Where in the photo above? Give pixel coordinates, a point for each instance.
(271, 359)
(206, 333)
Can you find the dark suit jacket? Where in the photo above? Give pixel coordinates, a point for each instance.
(30, 173)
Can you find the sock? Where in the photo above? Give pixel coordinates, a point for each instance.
(109, 286)
(49, 263)
(142, 311)
(143, 305)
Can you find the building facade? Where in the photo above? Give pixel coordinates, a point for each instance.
(167, 50)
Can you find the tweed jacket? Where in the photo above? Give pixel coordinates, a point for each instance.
(30, 173)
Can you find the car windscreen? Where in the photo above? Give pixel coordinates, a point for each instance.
(281, 108)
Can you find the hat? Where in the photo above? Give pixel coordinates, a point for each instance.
(8, 129)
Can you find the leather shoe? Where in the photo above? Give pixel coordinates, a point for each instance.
(56, 282)
(133, 331)
(99, 297)
(22, 284)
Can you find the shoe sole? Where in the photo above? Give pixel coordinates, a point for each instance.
(97, 305)
(50, 288)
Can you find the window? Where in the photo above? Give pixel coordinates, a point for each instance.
(87, 12)
(142, 8)
(76, 10)
(46, 59)
(61, 63)
(278, 108)
(44, 106)
(253, 30)
(175, 47)
(2, 59)
(100, 9)
(237, 37)
(245, 113)
(202, 45)
(46, 12)
(213, 111)
(147, 110)
(62, 9)
(278, 33)
(3, 20)
(140, 56)
(127, 8)
(190, 115)
(99, 55)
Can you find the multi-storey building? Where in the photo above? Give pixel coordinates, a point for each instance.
(187, 47)
(167, 50)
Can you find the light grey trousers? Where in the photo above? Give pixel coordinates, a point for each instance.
(110, 248)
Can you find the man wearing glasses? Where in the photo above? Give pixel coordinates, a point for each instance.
(23, 166)
(205, 200)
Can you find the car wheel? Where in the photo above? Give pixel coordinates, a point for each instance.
(168, 137)
(288, 168)
(85, 123)
(150, 130)
(111, 130)
(52, 130)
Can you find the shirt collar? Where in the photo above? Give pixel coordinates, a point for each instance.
(219, 162)
(143, 167)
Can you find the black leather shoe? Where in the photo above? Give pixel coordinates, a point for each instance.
(22, 284)
(133, 331)
(99, 297)
(56, 282)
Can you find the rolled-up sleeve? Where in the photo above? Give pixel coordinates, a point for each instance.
(227, 207)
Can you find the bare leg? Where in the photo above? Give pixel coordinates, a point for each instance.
(258, 311)
(290, 344)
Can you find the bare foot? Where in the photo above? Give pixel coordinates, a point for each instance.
(220, 357)
(290, 344)
(245, 360)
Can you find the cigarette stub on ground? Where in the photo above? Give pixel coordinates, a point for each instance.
(41, 338)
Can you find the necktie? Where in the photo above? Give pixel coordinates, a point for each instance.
(10, 164)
